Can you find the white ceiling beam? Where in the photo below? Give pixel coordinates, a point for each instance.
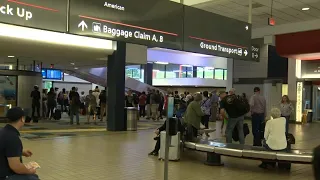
(286, 28)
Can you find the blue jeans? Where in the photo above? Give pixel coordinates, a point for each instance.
(74, 111)
(23, 177)
(257, 128)
(235, 123)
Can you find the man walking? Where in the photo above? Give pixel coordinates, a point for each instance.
(35, 95)
(75, 103)
(235, 108)
(258, 113)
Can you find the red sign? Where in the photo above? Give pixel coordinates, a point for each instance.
(271, 21)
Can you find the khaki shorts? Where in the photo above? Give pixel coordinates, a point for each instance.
(92, 109)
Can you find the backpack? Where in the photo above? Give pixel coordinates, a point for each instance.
(157, 98)
(240, 104)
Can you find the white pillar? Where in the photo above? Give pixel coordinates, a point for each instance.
(229, 74)
(292, 79)
(272, 91)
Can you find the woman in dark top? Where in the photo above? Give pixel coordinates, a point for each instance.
(51, 103)
(155, 152)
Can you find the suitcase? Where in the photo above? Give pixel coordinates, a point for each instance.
(174, 148)
(57, 114)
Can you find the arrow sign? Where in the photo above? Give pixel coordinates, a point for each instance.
(247, 27)
(256, 56)
(83, 25)
(245, 52)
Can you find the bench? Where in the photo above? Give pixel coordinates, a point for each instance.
(215, 150)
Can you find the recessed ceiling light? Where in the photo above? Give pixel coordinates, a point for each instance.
(72, 64)
(305, 9)
(10, 56)
(75, 68)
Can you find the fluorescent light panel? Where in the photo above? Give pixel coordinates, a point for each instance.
(53, 37)
(158, 62)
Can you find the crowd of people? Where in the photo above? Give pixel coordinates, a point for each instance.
(228, 110)
(55, 103)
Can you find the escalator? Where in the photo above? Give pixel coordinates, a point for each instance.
(100, 78)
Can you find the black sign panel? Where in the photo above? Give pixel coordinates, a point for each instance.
(155, 23)
(42, 14)
(255, 52)
(209, 33)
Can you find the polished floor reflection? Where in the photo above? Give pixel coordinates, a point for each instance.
(123, 156)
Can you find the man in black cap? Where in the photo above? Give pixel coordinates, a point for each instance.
(11, 149)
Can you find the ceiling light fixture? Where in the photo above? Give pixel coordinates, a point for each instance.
(158, 62)
(305, 9)
(10, 56)
(75, 68)
(72, 64)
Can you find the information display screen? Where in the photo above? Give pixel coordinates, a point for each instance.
(213, 34)
(42, 14)
(53, 74)
(154, 23)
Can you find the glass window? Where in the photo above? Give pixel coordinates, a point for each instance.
(173, 71)
(189, 70)
(225, 74)
(158, 71)
(218, 74)
(8, 93)
(209, 72)
(200, 71)
(133, 71)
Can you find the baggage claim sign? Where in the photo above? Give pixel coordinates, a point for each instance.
(155, 24)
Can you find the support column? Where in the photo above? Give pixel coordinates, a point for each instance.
(195, 72)
(272, 91)
(148, 68)
(229, 74)
(116, 88)
(294, 72)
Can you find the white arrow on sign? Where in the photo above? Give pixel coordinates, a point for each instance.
(83, 25)
(245, 52)
(256, 56)
(247, 27)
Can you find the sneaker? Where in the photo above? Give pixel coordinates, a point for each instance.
(152, 153)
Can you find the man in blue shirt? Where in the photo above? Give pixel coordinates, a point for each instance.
(11, 149)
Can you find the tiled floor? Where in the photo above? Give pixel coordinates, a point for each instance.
(123, 156)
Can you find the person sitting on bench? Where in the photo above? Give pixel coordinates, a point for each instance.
(155, 152)
(274, 135)
(11, 149)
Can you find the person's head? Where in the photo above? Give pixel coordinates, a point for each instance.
(36, 87)
(176, 92)
(214, 92)
(197, 97)
(222, 94)
(182, 95)
(158, 92)
(44, 91)
(103, 91)
(73, 89)
(129, 92)
(51, 90)
(64, 90)
(90, 92)
(244, 95)
(97, 87)
(205, 94)
(143, 92)
(285, 99)
(56, 89)
(232, 91)
(275, 113)
(256, 90)
(16, 117)
(82, 92)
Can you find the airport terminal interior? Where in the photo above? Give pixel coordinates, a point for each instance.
(116, 90)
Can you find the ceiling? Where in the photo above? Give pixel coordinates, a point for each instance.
(284, 11)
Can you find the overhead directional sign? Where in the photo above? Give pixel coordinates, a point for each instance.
(155, 23)
(255, 50)
(209, 33)
(42, 14)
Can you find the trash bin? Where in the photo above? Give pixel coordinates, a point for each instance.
(132, 118)
(309, 116)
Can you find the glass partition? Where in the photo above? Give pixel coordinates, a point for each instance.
(208, 72)
(218, 74)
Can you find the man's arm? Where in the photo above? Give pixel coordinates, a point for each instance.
(19, 168)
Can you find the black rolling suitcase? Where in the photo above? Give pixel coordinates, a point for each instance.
(57, 114)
